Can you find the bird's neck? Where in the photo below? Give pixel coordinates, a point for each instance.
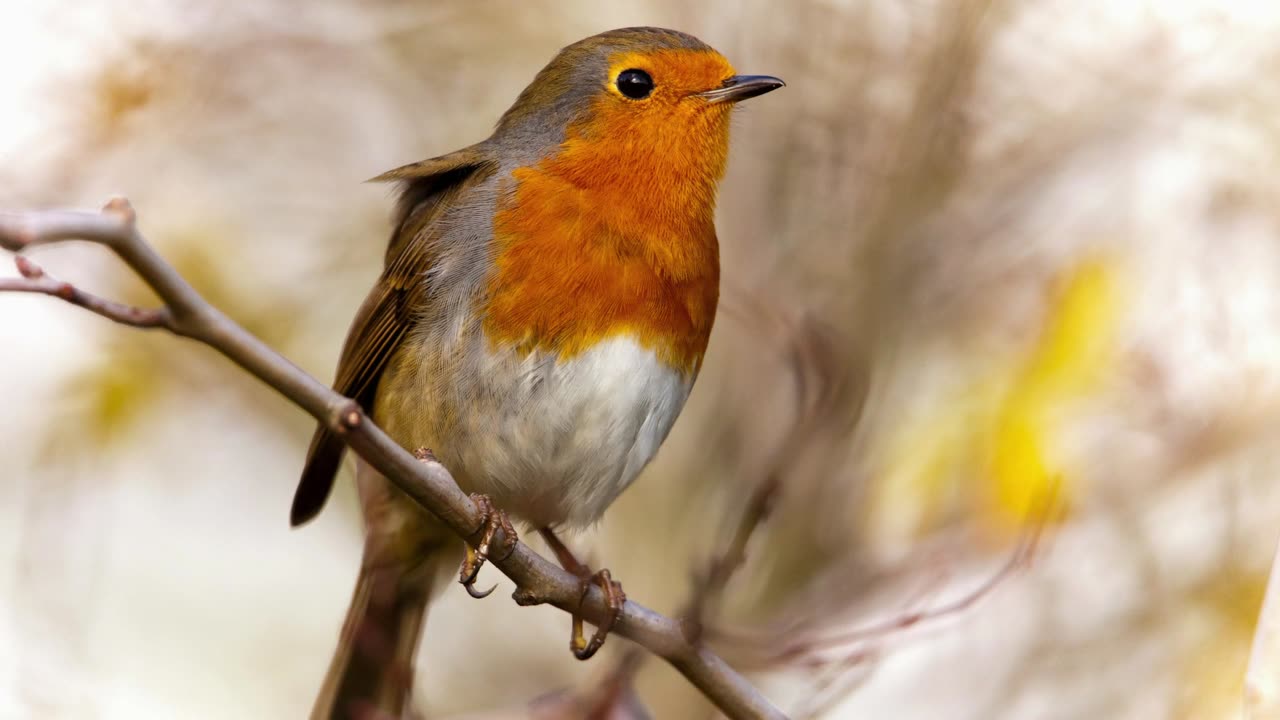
(647, 174)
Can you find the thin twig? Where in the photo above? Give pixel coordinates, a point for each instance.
(817, 386)
(1017, 560)
(710, 584)
(35, 280)
(428, 483)
(794, 647)
(615, 696)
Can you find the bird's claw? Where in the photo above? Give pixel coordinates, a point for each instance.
(614, 598)
(491, 520)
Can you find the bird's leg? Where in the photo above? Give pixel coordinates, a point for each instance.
(491, 519)
(563, 554)
(614, 597)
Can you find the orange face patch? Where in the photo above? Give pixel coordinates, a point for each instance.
(676, 73)
(615, 233)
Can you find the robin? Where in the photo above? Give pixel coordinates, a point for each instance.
(546, 302)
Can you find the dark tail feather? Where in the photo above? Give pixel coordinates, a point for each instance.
(323, 460)
(371, 674)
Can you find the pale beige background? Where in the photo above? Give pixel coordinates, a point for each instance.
(915, 192)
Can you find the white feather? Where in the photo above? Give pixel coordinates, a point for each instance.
(551, 441)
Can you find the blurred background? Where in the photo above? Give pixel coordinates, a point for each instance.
(989, 267)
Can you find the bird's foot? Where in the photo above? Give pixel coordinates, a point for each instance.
(614, 599)
(491, 520)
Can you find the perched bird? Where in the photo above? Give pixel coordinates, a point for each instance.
(547, 298)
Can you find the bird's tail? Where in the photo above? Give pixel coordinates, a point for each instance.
(371, 674)
(372, 670)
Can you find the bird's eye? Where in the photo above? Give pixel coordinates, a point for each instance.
(635, 84)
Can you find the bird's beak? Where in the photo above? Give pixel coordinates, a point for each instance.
(741, 87)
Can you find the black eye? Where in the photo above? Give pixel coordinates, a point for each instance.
(635, 84)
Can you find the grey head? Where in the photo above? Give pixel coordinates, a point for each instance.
(563, 90)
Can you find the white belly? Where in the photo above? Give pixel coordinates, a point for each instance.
(551, 442)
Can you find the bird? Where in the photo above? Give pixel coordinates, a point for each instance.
(545, 305)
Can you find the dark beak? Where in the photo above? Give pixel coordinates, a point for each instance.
(741, 87)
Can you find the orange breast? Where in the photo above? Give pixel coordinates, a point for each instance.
(598, 242)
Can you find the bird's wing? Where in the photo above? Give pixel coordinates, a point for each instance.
(429, 187)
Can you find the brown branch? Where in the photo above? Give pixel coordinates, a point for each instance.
(428, 483)
(34, 280)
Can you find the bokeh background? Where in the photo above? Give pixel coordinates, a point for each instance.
(978, 256)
